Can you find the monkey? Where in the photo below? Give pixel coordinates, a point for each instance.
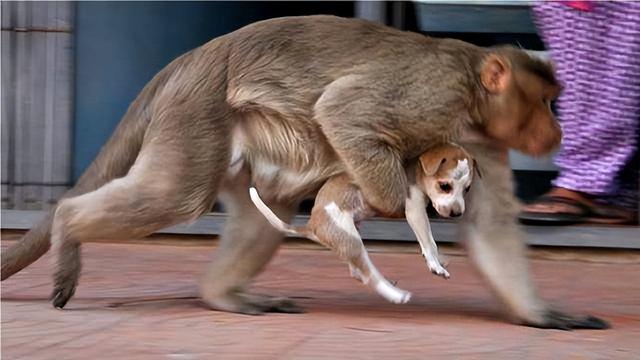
(286, 103)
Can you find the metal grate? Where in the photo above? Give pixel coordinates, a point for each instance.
(37, 102)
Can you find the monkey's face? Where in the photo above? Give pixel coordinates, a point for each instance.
(517, 112)
(446, 178)
(532, 129)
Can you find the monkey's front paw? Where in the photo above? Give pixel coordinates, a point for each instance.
(553, 319)
(436, 267)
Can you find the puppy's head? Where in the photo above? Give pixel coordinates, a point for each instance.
(445, 176)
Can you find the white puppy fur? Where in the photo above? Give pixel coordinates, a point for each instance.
(452, 202)
(443, 175)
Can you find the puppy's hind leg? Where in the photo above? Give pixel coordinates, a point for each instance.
(339, 233)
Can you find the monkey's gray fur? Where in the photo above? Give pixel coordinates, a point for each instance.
(285, 104)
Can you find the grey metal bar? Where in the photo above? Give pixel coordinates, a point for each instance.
(371, 10)
(47, 30)
(498, 17)
(397, 230)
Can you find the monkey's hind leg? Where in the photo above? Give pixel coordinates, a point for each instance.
(247, 244)
(347, 243)
(174, 179)
(68, 270)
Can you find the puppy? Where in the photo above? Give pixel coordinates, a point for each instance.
(443, 175)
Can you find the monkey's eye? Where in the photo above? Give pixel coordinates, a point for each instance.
(445, 187)
(466, 190)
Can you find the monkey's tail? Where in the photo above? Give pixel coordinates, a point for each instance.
(113, 161)
(273, 219)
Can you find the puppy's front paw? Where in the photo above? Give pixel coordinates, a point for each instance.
(436, 267)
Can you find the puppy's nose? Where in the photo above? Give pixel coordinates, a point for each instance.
(455, 214)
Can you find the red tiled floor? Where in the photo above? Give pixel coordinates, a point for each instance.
(138, 301)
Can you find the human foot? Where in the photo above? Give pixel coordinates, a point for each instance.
(565, 207)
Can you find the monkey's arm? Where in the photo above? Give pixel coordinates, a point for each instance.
(416, 214)
(379, 174)
(352, 117)
(497, 247)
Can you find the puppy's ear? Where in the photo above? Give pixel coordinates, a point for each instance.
(430, 163)
(477, 169)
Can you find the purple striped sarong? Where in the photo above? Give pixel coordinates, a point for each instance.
(597, 58)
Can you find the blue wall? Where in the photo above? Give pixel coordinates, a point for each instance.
(121, 45)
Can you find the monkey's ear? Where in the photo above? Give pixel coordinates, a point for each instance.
(431, 163)
(477, 169)
(495, 73)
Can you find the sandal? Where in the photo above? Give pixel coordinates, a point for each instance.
(576, 208)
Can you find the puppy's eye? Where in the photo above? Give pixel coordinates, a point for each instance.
(445, 187)
(466, 190)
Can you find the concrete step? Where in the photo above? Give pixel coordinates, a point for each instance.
(615, 237)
